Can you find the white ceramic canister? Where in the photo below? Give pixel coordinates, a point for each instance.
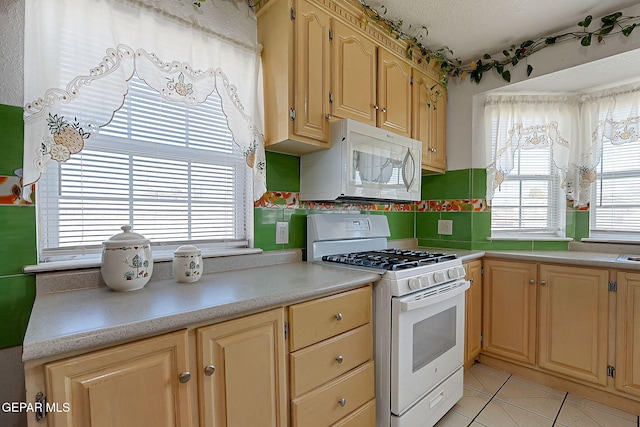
(127, 262)
(187, 263)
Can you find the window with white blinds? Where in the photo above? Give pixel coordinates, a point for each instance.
(171, 171)
(528, 202)
(615, 203)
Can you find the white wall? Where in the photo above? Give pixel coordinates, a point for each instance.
(11, 52)
(460, 102)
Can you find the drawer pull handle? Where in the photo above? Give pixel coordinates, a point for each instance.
(342, 401)
(209, 370)
(184, 377)
(339, 359)
(339, 316)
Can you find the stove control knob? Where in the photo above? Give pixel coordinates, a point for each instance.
(425, 281)
(452, 273)
(414, 283)
(461, 271)
(439, 277)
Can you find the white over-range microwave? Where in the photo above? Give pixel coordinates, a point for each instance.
(365, 164)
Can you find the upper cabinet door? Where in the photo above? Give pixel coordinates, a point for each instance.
(429, 121)
(394, 93)
(354, 75)
(312, 72)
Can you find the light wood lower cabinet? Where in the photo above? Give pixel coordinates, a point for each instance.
(574, 321)
(628, 333)
(242, 378)
(473, 312)
(509, 310)
(130, 385)
(331, 367)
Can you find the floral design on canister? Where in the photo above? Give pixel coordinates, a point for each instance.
(187, 264)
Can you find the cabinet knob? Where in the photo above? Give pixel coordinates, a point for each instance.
(433, 149)
(339, 316)
(329, 116)
(384, 109)
(532, 282)
(376, 107)
(339, 359)
(209, 370)
(342, 401)
(472, 280)
(184, 377)
(543, 282)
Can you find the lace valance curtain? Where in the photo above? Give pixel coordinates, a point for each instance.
(527, 123)
(80, 78)
(575, 127)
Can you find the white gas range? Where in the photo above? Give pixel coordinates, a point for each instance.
(418, 315)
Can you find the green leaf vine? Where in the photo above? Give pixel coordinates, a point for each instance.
(612, 24)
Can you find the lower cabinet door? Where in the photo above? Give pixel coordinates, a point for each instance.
(241, 370)
(573, 321)
(130, 385)
(628, 334)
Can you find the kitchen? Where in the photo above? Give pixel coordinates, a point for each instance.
(462, 182)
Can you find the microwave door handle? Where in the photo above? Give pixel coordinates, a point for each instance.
(413, 304)
(407, 157)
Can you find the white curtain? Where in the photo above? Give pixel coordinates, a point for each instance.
(527, 123)
(87, 50)
(575, 127)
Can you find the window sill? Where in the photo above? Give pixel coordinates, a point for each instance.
(94, 261)
(605, 240)
(531, 238)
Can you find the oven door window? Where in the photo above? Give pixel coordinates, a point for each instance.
(433, 337)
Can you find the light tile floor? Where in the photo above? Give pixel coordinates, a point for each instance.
(494, 398)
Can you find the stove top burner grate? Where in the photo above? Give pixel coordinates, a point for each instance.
(390, 259)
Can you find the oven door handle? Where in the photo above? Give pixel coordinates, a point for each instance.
(413, 304)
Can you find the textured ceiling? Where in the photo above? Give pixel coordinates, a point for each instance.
(472, 28)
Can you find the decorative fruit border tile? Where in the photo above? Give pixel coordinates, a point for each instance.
(291, 200)
(11, 190)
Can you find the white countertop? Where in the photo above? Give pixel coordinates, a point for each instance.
(66, 320)
(63, 322)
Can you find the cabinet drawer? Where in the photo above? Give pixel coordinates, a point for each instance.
(322, 407)
(314, 321)
(322, 362)
(364, 416)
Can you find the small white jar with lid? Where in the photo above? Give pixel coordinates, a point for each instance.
(187, 264)
(127, 262)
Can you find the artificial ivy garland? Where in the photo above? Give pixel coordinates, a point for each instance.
(612, 24)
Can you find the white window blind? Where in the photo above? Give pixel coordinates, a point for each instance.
(171, 171)
(528, 202)
(615, 206)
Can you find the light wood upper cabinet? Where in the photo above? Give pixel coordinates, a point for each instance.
(353, 94)
(129, 385)
(628, 333)
(296, 73)
(394, 93)
(509, 310)
(430, 121)
(242, 366)
(573, 321)
(473, 312)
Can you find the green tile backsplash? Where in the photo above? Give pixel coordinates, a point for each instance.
(11, 139)
(18, 241)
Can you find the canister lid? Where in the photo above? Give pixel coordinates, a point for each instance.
(186, 250)
(126, 237)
